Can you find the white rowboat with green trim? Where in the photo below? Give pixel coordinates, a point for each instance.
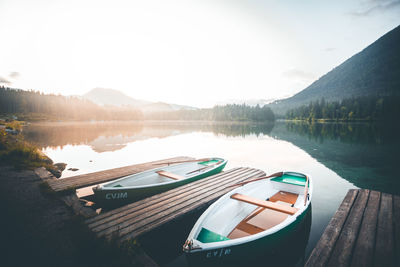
(250, 219)
(137, 186)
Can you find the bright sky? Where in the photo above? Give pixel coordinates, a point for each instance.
(192, 52)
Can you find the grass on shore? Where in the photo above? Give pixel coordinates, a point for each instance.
(14, 150)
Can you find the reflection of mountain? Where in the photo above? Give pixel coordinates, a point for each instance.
(61, 134)
(111, 136)
(363, 154)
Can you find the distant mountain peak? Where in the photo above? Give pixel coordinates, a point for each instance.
(112, 97)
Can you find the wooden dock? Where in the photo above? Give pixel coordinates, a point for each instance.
(133, 220)
(99, 177)
(365, 231)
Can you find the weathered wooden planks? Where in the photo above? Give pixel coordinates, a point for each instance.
(135, 219)
(363, 232)
(384, 246)
(94, 178)
(322, 251)
(396, 219)
(364, 248)
(341, 254)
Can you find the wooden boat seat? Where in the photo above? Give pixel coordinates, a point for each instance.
(262, 219)
(170, 175)
(265, 204)
(283, 196)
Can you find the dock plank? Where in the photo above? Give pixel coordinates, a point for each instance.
(168, 207)
(369, 236)
(89, 179)
(384, 246)
(396, 220)
(364, 248)
(322, 251)
(341, 254)
(138, 218)
(148, 226)
(144, 206)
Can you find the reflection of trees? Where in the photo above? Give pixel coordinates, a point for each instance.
(368, 133)
(242, 129)
(111, 136)
(362, 153)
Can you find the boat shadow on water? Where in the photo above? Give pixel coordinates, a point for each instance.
(167, 250)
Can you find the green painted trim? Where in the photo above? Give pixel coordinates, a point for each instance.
(291, 179)
(207, 236)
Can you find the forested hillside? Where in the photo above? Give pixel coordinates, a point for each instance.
(33, 104)
(360, 108)
(375, 71)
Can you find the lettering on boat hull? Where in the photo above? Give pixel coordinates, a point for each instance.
(121, 195)
(218, 253)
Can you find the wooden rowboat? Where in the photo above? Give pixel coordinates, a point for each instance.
(137, 186)
(250, 219)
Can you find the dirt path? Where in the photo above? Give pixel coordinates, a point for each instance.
(37, 229)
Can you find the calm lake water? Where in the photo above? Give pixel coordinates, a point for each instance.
(338, 156)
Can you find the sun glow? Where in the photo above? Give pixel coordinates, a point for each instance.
(186, 52)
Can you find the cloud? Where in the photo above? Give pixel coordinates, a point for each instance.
(297, 74)
(376, 7)
(14, 75)
(329, 49)
(4, 81)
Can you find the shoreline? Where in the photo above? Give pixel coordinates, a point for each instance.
(47, 231)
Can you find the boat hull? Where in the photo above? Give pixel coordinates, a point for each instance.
(113, 197)
(243, 253)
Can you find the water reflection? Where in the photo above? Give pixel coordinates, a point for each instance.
(362, 153)
(112, 136)
(360, 133)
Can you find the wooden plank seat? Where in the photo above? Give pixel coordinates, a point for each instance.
(283, 196)
(170, 175)
(262, 218)
(265, 204)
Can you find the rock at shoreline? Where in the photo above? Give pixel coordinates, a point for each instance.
(60, 166)
(57, 169)
(55, 172)
(73, 169)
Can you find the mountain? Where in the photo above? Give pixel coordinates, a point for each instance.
(112, 97)
(373, 71)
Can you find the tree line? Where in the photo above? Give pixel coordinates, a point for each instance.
(16, 101)
(34, 104)
(231, 112)
(359, 108)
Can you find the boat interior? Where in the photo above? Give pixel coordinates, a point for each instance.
(166, 174)
(259, 207)
(264, 217)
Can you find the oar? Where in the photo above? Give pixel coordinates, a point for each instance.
(260, 178)
(305, 191)
(199, 169)
(204, 168)
(183, 161)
